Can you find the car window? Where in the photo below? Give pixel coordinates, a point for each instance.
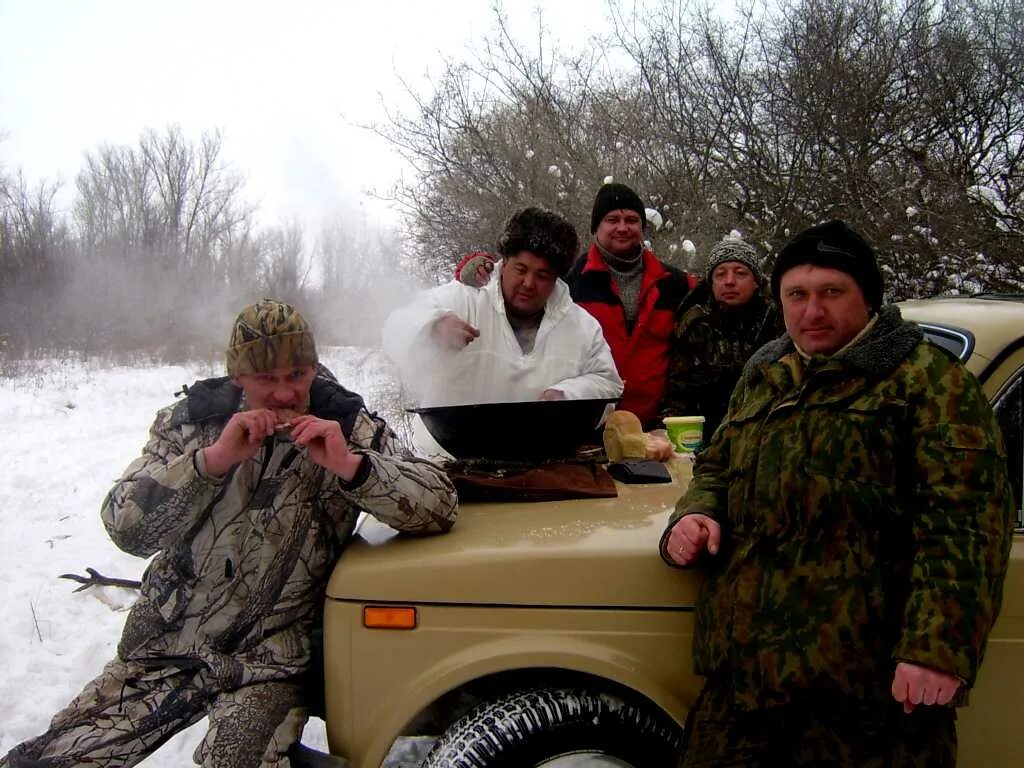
(1009, 409)
(960, 343)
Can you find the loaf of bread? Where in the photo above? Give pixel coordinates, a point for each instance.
(624, 437)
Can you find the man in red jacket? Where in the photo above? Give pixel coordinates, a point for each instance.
(633, 295)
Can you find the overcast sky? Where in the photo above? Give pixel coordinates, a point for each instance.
(281, 80)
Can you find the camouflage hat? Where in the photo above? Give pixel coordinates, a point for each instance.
(734, 249)
(267, 336)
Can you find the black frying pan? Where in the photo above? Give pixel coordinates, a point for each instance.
(538, 429)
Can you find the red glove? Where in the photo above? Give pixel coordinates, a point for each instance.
(474, 269)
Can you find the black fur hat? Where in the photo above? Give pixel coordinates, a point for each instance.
(544, 233)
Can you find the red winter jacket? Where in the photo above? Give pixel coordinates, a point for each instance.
(642, 357)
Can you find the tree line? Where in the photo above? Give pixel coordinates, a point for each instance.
(160, 247)
(904, 117)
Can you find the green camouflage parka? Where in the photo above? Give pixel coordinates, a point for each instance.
(866, 518)
(710, 345)
(241, 562)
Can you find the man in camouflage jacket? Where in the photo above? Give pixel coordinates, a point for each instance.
(721, 322)
(853, 516)
(246, 493)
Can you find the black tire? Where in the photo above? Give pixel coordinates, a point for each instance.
(526, 728)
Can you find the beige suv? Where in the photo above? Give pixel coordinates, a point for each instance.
(551, 634)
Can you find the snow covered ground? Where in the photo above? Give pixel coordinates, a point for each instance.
(70, 428)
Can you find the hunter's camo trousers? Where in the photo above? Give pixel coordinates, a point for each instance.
(825, 731)
(130, 710)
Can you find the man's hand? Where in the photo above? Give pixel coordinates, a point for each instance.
(913, 684)
(452, 332)
(326, 444)
(690, 536)
(239, 441)
(552, 394)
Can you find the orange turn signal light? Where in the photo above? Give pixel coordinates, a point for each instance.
(389, 617)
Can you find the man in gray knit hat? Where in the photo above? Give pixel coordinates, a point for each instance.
(723, 320)
(244, 497)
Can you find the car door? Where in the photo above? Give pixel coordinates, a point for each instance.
(990, 724)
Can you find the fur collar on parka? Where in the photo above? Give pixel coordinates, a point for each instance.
(215, 400)
(877, 355)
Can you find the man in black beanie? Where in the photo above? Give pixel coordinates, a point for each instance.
(841, 315)
(834, 245)
(853, 515)
(632, 294)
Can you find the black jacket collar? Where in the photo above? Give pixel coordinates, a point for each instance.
(215, 400)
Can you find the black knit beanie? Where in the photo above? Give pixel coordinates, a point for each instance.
(836, 246)
(613, 197)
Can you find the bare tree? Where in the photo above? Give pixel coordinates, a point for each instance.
(33, 246)
(902, 116)
(284, 264)
(513, 126)
(365, 275)
(159, 227)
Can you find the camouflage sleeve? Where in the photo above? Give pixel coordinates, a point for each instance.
(686, 379)
(160, 493)
(408, 493)
(962, 522)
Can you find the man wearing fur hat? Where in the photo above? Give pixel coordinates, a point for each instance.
(245, 496)
(520, 337)
(721, 322)
(853, 518)
(628, 290)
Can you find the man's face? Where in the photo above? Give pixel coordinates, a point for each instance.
(620, 232)
(282, 388)
(733, 284)
(823, 308)
(527, 281)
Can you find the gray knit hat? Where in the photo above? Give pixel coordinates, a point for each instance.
(734, 249)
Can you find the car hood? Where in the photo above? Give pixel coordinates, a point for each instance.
(598, 553)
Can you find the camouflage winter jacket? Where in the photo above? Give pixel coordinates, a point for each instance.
(710, 345)
(241, 562)
(866, 518)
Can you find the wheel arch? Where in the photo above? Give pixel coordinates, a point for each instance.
(441, 693)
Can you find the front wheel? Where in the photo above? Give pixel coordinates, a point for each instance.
(559, 728)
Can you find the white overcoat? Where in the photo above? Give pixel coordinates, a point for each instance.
(569, 353)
